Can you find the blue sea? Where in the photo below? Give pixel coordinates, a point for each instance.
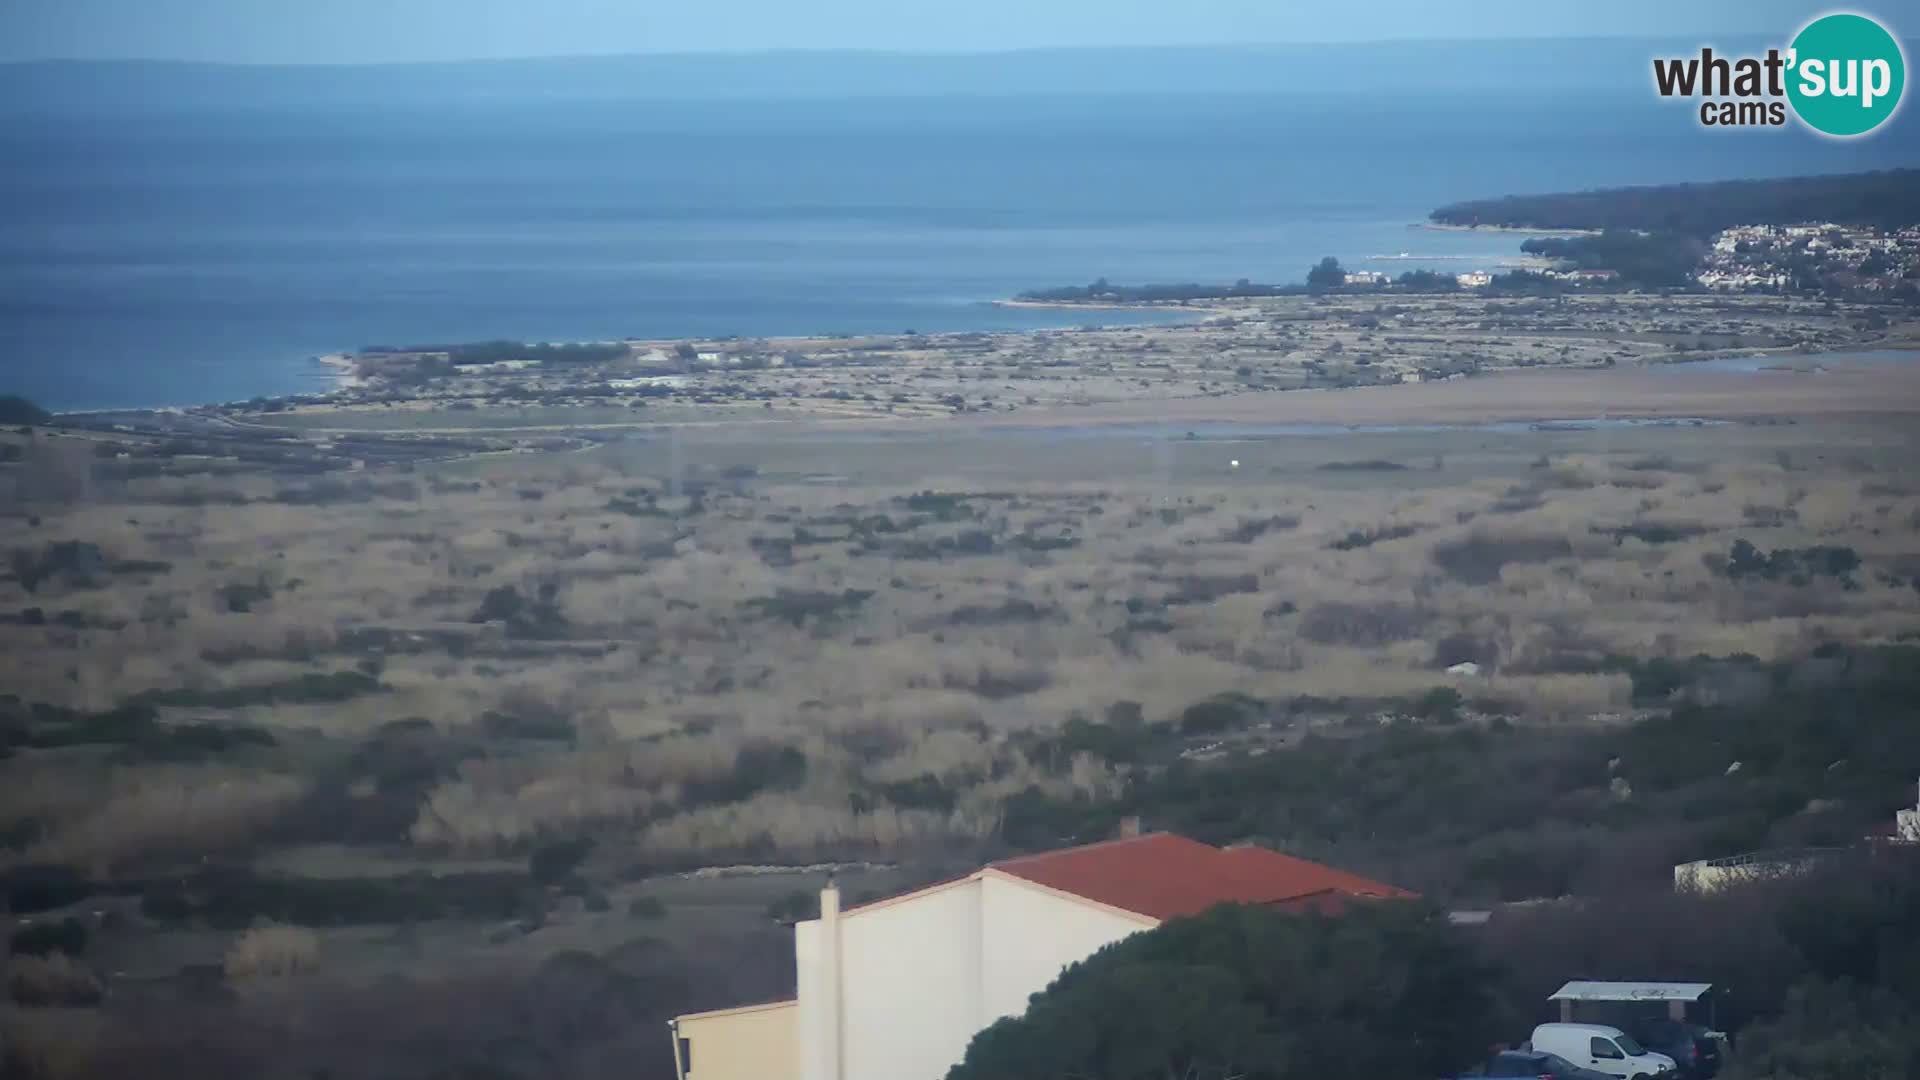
(169, 258)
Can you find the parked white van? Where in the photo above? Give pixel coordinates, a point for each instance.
(1602, 1049)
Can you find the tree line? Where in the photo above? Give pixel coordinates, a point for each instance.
(1885, 199)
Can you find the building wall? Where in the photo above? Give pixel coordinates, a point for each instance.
(810, 1021)
(1712, 875)
(754, 1043)
(921, 976)
(912, 985)
(1032, 935)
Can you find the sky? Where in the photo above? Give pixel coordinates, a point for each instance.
(384, 31)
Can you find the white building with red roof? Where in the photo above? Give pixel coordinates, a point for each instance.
(896, 989)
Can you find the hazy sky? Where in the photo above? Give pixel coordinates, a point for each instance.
(356, 31)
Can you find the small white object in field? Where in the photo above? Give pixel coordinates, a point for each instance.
(1234, 464)
(1467, 668)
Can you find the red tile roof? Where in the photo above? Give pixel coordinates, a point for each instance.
(1164, 876)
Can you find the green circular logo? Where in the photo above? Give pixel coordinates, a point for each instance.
(1845, 74)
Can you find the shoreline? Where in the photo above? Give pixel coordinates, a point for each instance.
(1512, 230)
(343, 370)
(1178, 350)
(1170, 306)
(1812, 386)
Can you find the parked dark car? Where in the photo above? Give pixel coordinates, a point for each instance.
(1534, 1064)
(1696, 1050)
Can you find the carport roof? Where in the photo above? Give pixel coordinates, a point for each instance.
(1580, 990)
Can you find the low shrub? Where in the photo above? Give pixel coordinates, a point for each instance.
(757, 768)
(68, 936)
(797, 906)
(1440, 704)
(1251, 529)
(164, 813)
(232, 899)
(272, 952)
(1478, 559)
(1794, 566)
(49, 1044)
(555, 861)
(51, 981)
(798, 605)
(1368, 465)
(1123, 738)
(35, 888)
(313, 688)
(1221, 713)
(1365, 538)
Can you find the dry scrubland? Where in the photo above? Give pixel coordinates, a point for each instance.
(384, 771)
(706, 676)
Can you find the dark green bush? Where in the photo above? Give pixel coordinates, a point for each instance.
(34, 888)
(1793, 566)
(1369, 537)
(554, 861)
(1368, 465)
(798, 605)
(1249, 992)
(1833, 1030)
(756, 768)
(313, 688)
(923, 792)
(1123, 739)
(1409, 804)
(1222, 713)
(1478, 559)
(1441, 704)
(235, 899)
(66, 936)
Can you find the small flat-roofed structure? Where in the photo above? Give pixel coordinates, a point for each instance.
(1675, 996)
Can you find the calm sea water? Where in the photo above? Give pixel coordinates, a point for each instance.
(183, 258)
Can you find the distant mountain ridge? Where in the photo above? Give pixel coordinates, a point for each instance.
(1603, 66)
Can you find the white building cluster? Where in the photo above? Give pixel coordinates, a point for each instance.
(1770, 257)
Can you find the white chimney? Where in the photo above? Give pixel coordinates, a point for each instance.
(833, 1028)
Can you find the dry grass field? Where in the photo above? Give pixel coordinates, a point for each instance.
(858, 615)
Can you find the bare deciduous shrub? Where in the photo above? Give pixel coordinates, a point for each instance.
(272, 952)
(1575, 697)
(940, 753)
(156, 814)
(506, 803)
(783, 824)
(53, 980)
(472, 816)
(48, 1044)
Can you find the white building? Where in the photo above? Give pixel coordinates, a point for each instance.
(896, 989)
(1906, 825)
(1712, 875)
(1473, 279)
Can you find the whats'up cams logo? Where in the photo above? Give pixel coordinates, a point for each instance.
(1842, 76)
